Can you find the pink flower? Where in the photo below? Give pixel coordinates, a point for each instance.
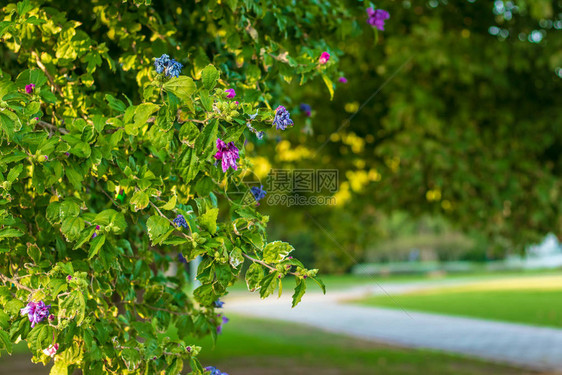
(342, 80)
(324, 57)
(227, 154)
(231, 93)
(51, 350)
(29, 88)
(68, 278)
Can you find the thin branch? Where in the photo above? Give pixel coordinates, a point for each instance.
(265, 264)
(52, 127)
(44, 69)
(171, 222)
(106, 194)
(6, 279)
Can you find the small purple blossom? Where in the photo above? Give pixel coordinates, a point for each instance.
(170, 67)
(231, 93)
(377, 17)
(29, 88)
(67, 153)
(214, 371)
(180, 221)
(94, 235)
(224, 321)
(51, 318)
(306, 109)
(342, 80)
(324, 57)
(258, 193)
(181, 258)
(97, 227)
(227, 154)
(68, 278)
(46, 157)
(218, 303)
(36, 312)
(282, 118)
(188, 349)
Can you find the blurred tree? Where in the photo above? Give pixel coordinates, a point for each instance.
(458, 114)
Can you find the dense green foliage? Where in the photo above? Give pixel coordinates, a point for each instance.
(102, 159)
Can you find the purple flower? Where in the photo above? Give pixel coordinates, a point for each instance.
(231, 93)
(29, 88)
(170, 67)
(214, 371)
(218, 303)
(36, 312)
(67, 153)
(342, 80)
(68, 278)
(258, 193)
(94, 235)
(97, 227)
(324, 57)
(306, 109)
(282, 118)
(181, 258)
(377, 18)
(227, 154)
(180, 221)
(224, 321)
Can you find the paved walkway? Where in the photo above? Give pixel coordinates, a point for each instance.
(527, 346)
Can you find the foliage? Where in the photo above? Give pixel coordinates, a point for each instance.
(108, 169)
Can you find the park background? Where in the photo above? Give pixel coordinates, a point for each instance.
(447, 142)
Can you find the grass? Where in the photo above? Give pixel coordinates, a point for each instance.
(529, 300)
(253, 346)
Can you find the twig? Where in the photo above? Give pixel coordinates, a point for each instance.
(44, 69)
(49, 126)
(17, 284)
(265, 264)
(105, 192)
(171, 222)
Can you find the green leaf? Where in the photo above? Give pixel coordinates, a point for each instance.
(187, 165)
(320, 284)
(10, 232)
(6, 342)
(182, 87)
(115, 104)
(71, 228)
(143, 112)
(329, 85)
(206, 142)
(95, 245)
(268, 284)
(275, 252)
(210, 76)
(189, 133)
(209, 220)
(60, 368)
(254, 275)
(139, 200)
(299, 291)
(158, 228)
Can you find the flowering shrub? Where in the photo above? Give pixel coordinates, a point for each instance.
(117, 161)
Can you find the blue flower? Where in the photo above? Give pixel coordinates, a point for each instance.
(282, 118)
(168, 66)
(180, 221)
(258, 193)
(218, 303)
(214, 371)
(306, 109)
(173, 69)
(181, 258)
(161, 63)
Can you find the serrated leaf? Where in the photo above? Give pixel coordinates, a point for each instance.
(139, 200)
(182, 87)
(210, 76)
(254, 275)
(275, 252)
(95, 245)
(300, 289)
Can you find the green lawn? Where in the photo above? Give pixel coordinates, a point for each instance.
(530, 306)
(252, 347)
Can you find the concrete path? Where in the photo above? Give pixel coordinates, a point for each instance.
(527, 346)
